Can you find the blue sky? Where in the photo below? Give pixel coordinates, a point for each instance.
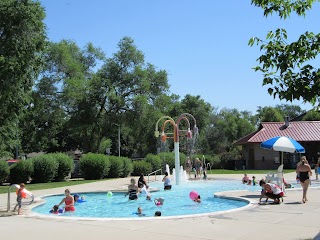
(203, 45)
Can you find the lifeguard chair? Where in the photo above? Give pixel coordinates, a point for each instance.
(277, 178)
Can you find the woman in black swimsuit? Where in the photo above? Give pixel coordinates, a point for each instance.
(304, 171)
(132, 190)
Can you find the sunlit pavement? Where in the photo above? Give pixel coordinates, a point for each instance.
(289, 220)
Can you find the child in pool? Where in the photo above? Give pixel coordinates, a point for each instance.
(198, 199)
(78, 199)
(56, 210)
(254, 180)
(157, 214)
(68, 200)
(139, 212)
(245, 178)
(158, 201)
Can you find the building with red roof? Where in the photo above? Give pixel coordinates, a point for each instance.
(307, 133)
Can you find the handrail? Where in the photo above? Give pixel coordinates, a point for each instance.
(208, 166)
(155, 175)
(24, 203)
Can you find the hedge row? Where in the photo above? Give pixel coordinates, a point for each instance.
(98, 166)
(42, 169)
(57, 166)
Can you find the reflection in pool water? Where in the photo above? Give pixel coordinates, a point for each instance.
(176, 201)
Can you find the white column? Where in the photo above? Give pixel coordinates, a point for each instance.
(177, 162)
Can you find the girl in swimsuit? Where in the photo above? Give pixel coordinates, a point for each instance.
(68, 201)
(167, 181)
(133, 190)
(304, 171)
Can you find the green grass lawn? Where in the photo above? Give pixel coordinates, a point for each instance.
(39, 186)
(225, 171)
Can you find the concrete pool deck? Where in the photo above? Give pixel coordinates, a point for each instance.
(289, 220)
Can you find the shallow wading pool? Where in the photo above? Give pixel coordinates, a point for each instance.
(176, 201)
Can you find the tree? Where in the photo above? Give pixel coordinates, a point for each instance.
(286, 66)
(269, 114)
(290, 111)
(43, 123)
(225, 127)
(22, 38)
(63, 109)
(124, 91)
(312, 115)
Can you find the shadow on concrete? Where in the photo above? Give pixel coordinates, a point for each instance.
(292, 203)
(7, 214)
(251, 196)
(317, 237)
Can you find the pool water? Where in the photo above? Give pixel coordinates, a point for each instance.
(176, 201)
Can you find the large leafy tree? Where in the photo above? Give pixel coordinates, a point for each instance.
(290, 111)
(269, 114)
(277, 113)
(121, 91)
(287, 66)
(225, 127)
(43, 123)
(82, 97)
(22, 38)
(62, 109)
(126, 91)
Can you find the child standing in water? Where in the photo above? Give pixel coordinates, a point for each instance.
(253, 180)
(245, 178)
(68, 201)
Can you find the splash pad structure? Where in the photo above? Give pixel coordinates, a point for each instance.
(190, 134)
(182, 175)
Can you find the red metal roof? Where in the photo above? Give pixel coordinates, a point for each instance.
(12, 161)
(301, 131)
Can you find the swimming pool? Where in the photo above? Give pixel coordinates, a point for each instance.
(176, 201)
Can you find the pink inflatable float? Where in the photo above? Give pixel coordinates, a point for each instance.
(193, 195)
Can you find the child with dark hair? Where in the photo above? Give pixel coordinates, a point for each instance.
(142, 181)
(157, 214)
(55, 210)
(254, 180)
(158, 201)
(198, 199)
(167, 181)
(271, 190)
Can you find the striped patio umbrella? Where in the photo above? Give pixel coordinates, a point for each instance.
(283, 144)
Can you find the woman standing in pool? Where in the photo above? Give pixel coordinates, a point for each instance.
(167, 182)
(304, 171)
(188, 166)
(132, 190)
(198, 166)
(68, 201)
